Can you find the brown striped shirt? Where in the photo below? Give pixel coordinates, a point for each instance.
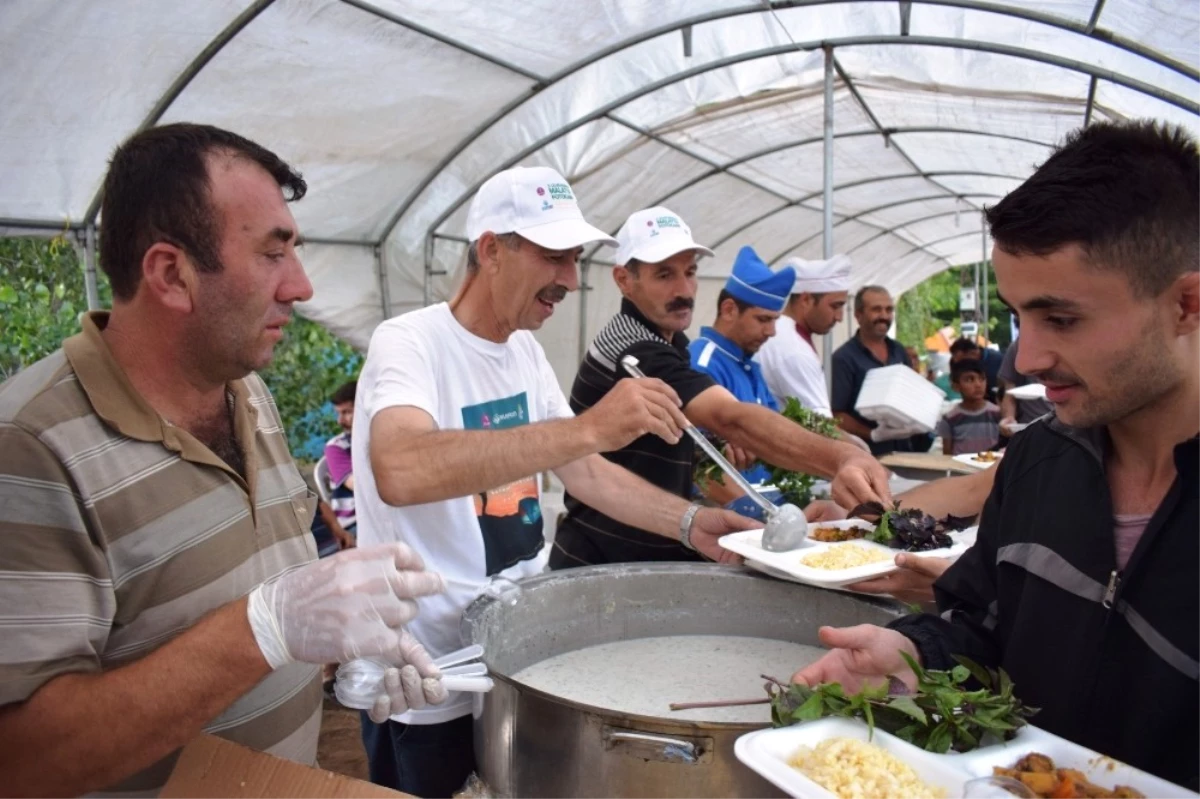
(119, 531)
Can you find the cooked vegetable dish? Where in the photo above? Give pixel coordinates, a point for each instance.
(1039, 774)
(830, 534)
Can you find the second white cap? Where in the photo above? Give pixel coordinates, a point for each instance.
(654, 235)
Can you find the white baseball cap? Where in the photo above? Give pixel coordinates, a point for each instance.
(535, 202)
(654, 235)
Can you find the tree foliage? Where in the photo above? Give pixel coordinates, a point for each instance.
(42, 294)
(933, 304)
(309, 365)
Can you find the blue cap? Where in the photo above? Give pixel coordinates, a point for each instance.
(753, 281)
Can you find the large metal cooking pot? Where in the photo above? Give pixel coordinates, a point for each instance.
(529, 743)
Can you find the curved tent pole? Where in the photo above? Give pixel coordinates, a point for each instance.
(1050, 20)
(879, 126)
(861, 182)
(181, 82)
(905, 224)
(446, 40)
(876, 209)
(850, 185)
(776, 148)
(929, 244)
(797, 143)
(771, 52)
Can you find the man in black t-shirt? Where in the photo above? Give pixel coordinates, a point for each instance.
(656, 273)
(870, 348)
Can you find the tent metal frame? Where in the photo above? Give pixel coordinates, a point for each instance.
(882, 231)
(612, 106)
(86, 228)
(809, 140)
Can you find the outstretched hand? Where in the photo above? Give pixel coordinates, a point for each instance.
(864, 655)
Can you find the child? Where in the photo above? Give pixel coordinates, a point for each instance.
(974, 424)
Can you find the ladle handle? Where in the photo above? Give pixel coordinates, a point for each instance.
(713, 453)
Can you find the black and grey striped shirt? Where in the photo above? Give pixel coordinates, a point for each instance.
(587, 536)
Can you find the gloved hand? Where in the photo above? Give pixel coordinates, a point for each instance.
(409, 687)
(347, 606)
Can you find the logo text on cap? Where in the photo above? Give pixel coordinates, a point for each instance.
(560, 191)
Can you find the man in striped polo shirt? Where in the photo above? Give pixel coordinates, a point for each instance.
(156, 579)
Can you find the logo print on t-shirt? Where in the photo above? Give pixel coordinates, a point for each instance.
(510, 516)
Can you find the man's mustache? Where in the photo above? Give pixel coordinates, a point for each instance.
(553, 293)
(681, 304)
(1056, 378)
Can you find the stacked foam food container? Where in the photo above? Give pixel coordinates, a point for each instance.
(897, 396)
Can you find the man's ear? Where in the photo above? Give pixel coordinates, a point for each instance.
(622, 277)
(169, 276)
(727, 310)
(488, 250)
(1187, 293)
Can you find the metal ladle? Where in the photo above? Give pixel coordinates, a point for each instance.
(786, 527)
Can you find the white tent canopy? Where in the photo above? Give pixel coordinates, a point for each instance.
(397, 110)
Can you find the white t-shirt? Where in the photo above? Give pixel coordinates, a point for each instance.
(792, 368)
(426, 359)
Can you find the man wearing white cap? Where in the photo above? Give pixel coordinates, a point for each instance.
(790, 362)
(656, 273)
(461, 411)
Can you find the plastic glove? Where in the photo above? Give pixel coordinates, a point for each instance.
(409, 687)
(347, 606)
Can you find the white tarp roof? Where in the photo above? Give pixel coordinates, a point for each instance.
(396, 110)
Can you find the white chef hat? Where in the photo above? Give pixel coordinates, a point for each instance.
(819, 277)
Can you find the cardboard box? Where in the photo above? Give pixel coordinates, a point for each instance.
(212, 766)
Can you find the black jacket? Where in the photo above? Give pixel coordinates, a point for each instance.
(1111, 659)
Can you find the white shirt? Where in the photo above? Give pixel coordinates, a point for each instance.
(792, 368)
(426, 359)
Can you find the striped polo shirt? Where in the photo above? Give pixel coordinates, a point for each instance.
(587, 536)
(119, 531)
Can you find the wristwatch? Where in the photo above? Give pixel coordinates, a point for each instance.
(685, 526)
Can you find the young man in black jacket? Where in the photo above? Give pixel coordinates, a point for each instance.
(1084, 583)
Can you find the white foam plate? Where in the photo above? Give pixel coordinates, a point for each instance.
(748, 544)
(972, 459)
(1099, 769)
(1031, 391)
(767, 752)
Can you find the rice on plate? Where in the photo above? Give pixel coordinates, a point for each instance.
(854, 769)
